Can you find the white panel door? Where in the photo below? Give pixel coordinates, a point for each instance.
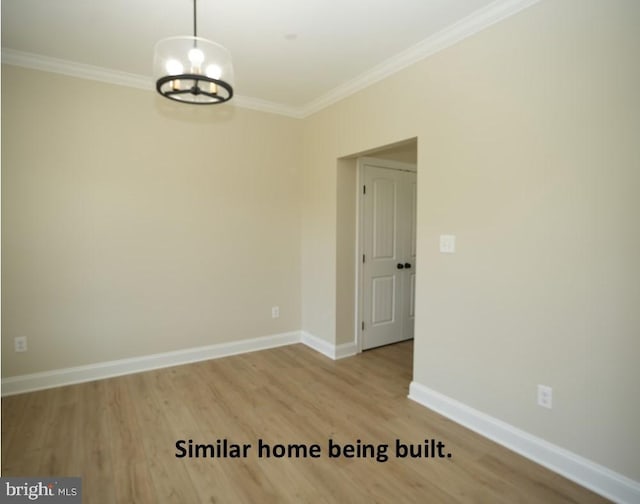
(388, 221)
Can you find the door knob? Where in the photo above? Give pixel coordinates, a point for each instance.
(399, 266)
(407, 265)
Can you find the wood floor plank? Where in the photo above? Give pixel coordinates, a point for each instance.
(130, 471)
(96, 461)
(12, 420)
(171, 481)
(120, 435)
(224, 413)
(63, 444)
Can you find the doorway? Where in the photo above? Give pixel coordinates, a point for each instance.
(348, 313)
(387, 246)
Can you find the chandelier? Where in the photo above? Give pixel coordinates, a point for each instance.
(193, 69)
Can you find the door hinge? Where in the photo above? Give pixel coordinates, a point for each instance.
(364, 189)
(363, 325)
(363, 258)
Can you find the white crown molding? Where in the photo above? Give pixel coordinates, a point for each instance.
(73, 69)
(466, 27)
(267, 106)
(109, 76)
(593, 476)
(475, 22)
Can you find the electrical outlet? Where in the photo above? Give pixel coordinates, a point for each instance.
(275, 312)
(545, 396)
(20, 344)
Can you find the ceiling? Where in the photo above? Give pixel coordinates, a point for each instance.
(290, 53)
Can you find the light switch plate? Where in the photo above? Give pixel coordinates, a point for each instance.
(447, 244)
(20, 344)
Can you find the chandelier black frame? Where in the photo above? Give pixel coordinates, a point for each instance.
(203, 88)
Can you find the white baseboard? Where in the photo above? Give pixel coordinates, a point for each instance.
(345, 350)
(332, 351)
(79, 374)
(593, 476)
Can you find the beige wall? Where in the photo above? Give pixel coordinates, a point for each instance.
(527, 151)
(132, 225)
(406, 152)
(346, 229)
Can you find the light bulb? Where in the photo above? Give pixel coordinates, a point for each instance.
(214, 71)
(174, 67)
(196, 57)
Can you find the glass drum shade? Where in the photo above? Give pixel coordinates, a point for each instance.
(193, 70)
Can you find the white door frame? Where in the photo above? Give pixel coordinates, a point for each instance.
(380, 163)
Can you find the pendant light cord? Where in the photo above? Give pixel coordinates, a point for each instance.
(195, 26)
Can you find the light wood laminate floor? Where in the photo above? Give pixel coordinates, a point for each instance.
(120, 435)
